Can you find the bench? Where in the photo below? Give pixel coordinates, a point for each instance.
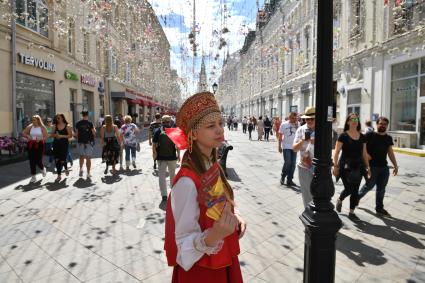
(223, 151)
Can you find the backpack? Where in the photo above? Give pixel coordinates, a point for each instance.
(85, 134)
(165, 147)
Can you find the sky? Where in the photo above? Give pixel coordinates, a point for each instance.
(211, 16)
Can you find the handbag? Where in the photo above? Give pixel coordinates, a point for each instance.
(138, 147)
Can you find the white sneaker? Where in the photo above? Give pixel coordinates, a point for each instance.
(33, 179)
(44, 172)
(88, 175)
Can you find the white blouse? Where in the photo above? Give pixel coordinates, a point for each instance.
(190, 239)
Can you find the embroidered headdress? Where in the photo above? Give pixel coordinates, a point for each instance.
(195, 111)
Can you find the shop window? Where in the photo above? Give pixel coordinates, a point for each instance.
(34, 95)
(33, 14)
(404, 104)
(354, 100)
(404, 70)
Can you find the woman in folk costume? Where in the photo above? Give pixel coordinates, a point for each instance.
(202, 230)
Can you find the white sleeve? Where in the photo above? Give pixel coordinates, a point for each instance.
(298, 135)
(189, 237)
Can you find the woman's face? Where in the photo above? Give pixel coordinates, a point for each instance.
(353, 121)
(34, 121)
(210, 135)
(59, 119)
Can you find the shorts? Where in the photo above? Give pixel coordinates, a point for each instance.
(85, 149)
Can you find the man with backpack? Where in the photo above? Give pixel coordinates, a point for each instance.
(164, 150)
(85, 133)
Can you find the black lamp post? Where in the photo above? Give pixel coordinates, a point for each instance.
(215, 87)
(319, 218)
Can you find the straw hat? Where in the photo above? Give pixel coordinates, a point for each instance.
(310, 112)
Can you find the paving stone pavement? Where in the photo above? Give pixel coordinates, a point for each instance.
(110, 229)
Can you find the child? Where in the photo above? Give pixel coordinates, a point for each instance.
(202, 230)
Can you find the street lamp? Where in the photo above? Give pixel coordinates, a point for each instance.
(319, 218)
(215, 87)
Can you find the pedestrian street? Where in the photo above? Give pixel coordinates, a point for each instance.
(111, 228)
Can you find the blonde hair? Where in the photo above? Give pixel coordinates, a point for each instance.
(109, 123)
(127, 119)
(39, 121)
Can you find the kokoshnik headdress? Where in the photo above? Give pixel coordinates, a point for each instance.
(195, 112)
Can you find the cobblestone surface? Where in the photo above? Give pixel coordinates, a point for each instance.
(110, 229)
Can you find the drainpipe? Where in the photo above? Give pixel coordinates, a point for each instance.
(13, 51)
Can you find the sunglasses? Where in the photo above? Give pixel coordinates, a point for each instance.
(354, 119)
(309, 119)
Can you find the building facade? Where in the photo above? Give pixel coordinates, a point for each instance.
(72, 56)
(274, 70)
(379, 64)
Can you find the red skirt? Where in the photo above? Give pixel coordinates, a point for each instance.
(229, 274)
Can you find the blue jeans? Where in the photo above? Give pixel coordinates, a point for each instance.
(128, 150)
(48, 150)
(290, 160)
(380, 176)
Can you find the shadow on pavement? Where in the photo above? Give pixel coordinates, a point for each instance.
(56, 186)
(29, 187)
(359, 252)
(131, 172)
(394, 230)
(83, 183)
(111, 179)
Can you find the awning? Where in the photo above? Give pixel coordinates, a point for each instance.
(123, 94)
(134, 101)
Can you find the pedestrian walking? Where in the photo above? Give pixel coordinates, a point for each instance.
(202, 230)
(244, 124)
(260, 128)
(286, 137)
(48, 148)
(230, 123)
(379, 145)
(119, 121)
(110, 139)
(267, 128)
(250, 128)
(129, 133)
(353, 162)
(62, 132)
(85, 133)
(304, 144)
(153, 126)
(276, 125)
(165, 152)
(235, 123)
(36, 134)
(369, 127)
(254, 121)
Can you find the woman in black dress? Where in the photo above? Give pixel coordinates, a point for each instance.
(111, 139)
(61, 133)
(353, 163)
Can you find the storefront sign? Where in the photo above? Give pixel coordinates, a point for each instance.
(71, 76)
(37, 63)
(88, 80)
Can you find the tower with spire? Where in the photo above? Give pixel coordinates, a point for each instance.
(202, 84)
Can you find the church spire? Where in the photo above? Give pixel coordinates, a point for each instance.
(202, 84)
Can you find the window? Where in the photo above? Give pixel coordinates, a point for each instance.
(290, 57)
(404, 95)
(354, 101)
(71, 32)
(357, 18)
(407, 15)
(127, 72)
(86, 47)
(34, 15)
(307, 44)
(98, 55)
(113, 63)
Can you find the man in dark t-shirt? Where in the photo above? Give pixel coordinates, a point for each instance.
(85, 133)
(152, 127)
(379, 146)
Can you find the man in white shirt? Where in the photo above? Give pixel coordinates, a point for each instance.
(244, 124)
(304, 143)
(286, 137)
